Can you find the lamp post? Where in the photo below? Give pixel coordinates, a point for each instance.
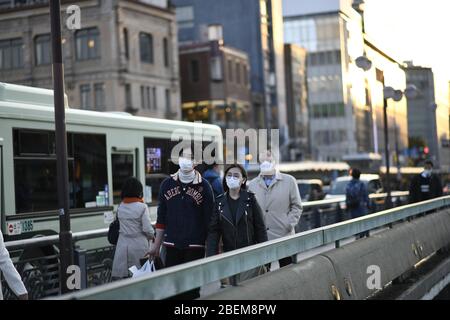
(65, 235)
(388, 93)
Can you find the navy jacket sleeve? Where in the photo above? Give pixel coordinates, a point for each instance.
(161, 219)
(208, 204)
(214, 234)
(217, 186)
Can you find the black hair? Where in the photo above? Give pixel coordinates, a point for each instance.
(430, 163)
(243, 172)
(356, 173)
(132, 188)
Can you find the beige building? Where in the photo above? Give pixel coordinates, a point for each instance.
(123, 58)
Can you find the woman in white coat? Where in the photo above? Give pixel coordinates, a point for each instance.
(10, 273)
(135, 232)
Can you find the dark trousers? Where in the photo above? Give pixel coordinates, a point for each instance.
(285, 262)
(175, 256)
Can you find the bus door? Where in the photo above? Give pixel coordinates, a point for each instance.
(123, 164)
(1, 186)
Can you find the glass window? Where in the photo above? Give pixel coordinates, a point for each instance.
(155, 99)
(99, 96)
(128, 98)
(195, 71)
(238, 72)
(85, 96)
(168, 102)
(146, 47)
(166, 52)
(11, 54)
(230, 71)
(87, 44)
(126, 43)
(42, 50)
(35, 169)
(122, 166)
(147, 91)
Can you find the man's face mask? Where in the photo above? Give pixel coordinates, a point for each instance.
(186, 165)
(267, 167)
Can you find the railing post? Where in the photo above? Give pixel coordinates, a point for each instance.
(80, 260)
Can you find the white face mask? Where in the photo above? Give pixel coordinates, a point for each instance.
(267, 167)
(233, 182)
(186, 165)
(427, 173)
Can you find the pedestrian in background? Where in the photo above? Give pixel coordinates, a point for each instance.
(357, 198)
(186, 203)
(237, 219)
(212, 175)
(135, 231)
(426, 185)
(279, 198)
(10, 273)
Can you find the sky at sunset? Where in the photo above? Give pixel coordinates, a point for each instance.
(417, 30)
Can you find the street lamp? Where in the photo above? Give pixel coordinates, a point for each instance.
(388, 93)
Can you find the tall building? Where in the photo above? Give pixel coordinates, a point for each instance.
(345, 108)
(255, 27)
(124, 57)
(296, 101)
(215, 84)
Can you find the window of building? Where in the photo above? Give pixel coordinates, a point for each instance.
(128, 98)
(168, 102)
(11, 54)
(85, 96)
(147, 93)
(238, 73)
(245, 75)
(155, 98)
(230, 70)
(35, 169)
(126, 43)
(166, 52)
(194, 71)
(146, 47)
(185, 17)
(99, 96)
(43, 50)
(87, 44)
(145, 97)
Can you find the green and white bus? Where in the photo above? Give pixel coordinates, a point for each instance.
(103, 150)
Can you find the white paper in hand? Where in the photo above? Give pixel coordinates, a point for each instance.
(147, 268)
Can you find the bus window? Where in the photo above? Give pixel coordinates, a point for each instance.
(122, 169)
(157, 166)
(35, 169)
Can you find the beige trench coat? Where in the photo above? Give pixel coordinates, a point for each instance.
(280, 203)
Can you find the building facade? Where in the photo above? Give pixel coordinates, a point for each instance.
(254, 27)
(215, 85)
(344, 105)
(123, 58)
(297, 101)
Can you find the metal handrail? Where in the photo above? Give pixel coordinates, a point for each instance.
(98, 233)
(340, 199)
(54, 239)
(171, 281)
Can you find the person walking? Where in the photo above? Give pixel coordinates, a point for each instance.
(135, 231)
(426, 185)
(10, 273)
(357, 198)
(186, 203)
(212, 174)
(278, 195)
(237, 219)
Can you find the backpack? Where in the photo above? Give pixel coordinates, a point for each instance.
(353, 195)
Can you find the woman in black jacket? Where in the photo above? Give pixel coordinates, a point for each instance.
(237, 218)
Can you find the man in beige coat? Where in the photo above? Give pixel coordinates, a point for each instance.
(10, 273)
(279, 198)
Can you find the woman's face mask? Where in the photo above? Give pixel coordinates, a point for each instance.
(233, 182)
(186, 165)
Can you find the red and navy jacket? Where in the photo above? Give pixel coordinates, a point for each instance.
(184, 211)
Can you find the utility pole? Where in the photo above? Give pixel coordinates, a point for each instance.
(65, 235)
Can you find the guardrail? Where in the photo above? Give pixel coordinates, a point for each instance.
(174, 280)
